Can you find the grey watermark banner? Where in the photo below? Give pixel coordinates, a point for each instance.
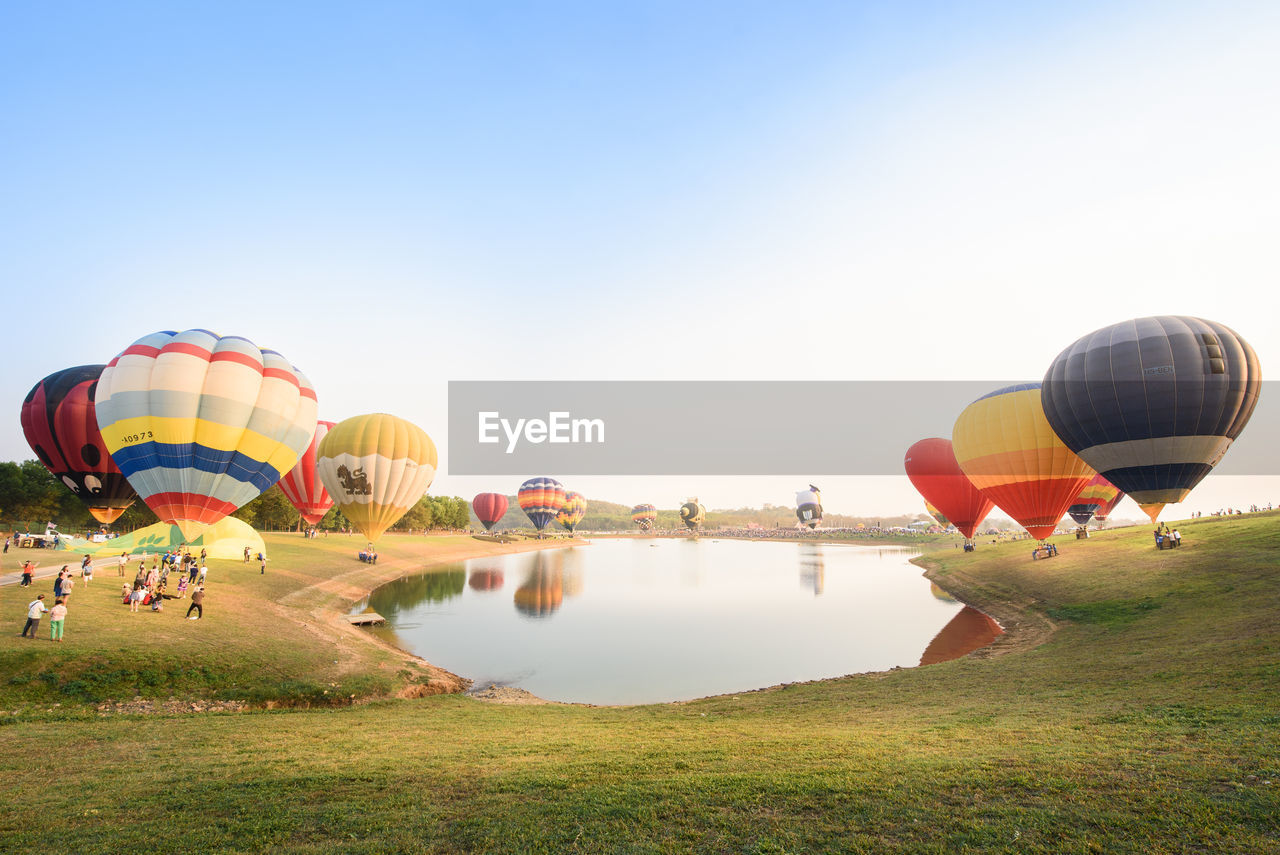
(735, 427)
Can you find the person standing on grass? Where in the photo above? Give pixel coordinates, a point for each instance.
(262, 560)
(246, 555)
(124, 559)
(57, 616)
(28, 572)
(35, 609)
(86, 570)
(192, 577)
(197, 605)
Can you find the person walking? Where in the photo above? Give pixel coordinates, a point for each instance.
(28, 571)
(57, 617)
(197, 605)
(124, 559)
(262, 561)
(35, 609)
(86, 570)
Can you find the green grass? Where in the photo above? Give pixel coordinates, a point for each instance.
(1146, 723)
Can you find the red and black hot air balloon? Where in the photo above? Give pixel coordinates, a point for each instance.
(61, 426)
(489, 508)
(931, 465)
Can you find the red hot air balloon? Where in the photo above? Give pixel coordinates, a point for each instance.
(931, 465)
(61, 426)
(301, 484)
(489, 508)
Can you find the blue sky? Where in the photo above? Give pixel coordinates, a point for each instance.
(395, 195)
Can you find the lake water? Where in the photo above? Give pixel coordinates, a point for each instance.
(625, 621)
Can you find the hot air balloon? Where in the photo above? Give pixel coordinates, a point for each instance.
(376, 467)
(931, 465)
(574, 509)
(1153, 403)
(937, 515)
(1104, 510)
(809, 506)
(541, 499)
(644, 516)
(1005, 446)
(301, 484)
(692, 513)
(1099, 493)
(201, 424)
(61, 426)
(489, 508)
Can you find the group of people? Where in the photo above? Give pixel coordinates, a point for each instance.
(1166, 539)
(150, 586)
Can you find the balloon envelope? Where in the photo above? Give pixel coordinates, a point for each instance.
(376, 467)
(1098, 495)
(61, 426)
(644, 516)
(489, 508)
(301, 485)
(541, 499)
(202, 424)
(937, 515)
(692, 513)
(574, 509)
(1005, 446)
(931, 465)
(1153, 403)
(809, 506)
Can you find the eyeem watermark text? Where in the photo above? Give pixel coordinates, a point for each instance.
(558, 427)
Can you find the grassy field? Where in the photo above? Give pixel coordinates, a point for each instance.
(1146, 722)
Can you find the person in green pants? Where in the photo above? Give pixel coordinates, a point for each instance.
(57, 616)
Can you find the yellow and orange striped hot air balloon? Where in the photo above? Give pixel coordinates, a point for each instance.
(1005, 446)
(376, 467)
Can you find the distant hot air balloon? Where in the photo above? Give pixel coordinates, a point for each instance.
(60, 425)
(1005, 446)
(574, 509)
(1099, 493)
(489, 508)
(692, 513)
(376, 467)
(809, 506)
(201, 424)
(1104, 510)
(541, 499)
(931, 465)
(1153, 403)
(644, 516)
(937, 515)
(301, 484)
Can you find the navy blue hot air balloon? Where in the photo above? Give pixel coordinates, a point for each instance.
(1153, 403)
(541, 499)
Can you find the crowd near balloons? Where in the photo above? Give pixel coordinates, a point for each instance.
(198, 425)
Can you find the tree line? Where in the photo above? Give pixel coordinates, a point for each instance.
(31, 497)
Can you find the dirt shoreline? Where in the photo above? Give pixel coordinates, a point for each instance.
(321, 609)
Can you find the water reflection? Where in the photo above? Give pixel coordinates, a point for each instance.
(485, 579)
(408, 592)
(968, 630)
(542, 591)
(941, 594)
(812, 568)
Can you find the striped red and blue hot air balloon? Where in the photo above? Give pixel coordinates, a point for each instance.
(541, 499)
(201, 424)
